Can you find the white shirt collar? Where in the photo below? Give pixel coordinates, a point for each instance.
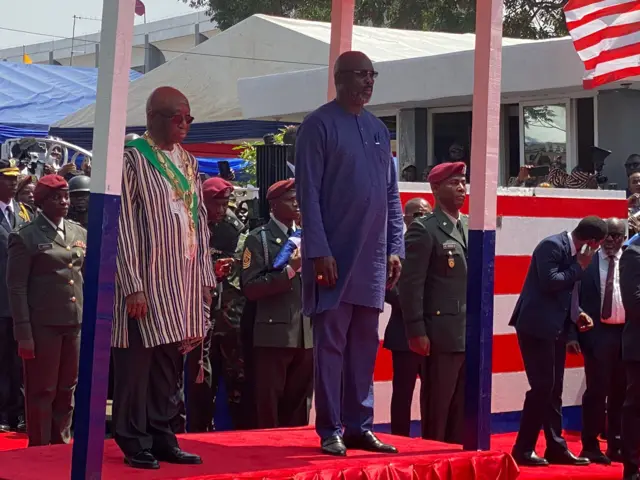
(4, 206)
(604, 256)
(453, 219)
(282, 226)
(55, 227)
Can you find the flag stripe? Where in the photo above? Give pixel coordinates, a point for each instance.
(606, 36)
(614, 76)
(542, 207)
(612, 33)
(577, 9)
(608, 58)
(506, 358)
(595, 21)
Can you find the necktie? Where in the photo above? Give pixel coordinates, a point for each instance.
(10, 217)
(607, 304)
(289, 232)
(461, 232)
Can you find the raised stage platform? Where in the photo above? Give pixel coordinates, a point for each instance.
(292, 454)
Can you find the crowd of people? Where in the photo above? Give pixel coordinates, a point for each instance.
(279, 315)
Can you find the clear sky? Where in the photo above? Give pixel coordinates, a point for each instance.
(55, 17)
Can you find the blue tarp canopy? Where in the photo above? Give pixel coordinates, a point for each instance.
(33, 97)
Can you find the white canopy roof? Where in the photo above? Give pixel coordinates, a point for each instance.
(541, 67)
(262, 45)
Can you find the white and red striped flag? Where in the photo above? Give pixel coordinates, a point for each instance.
(606, 35)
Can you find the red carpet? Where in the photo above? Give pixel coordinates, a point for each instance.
(286, 454)
(293, 455)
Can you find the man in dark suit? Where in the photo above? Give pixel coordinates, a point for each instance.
(282, 337)
(630, 288)
(12, 215)
(407, 365)
(433, 297)
(601, 300)
(546, 303)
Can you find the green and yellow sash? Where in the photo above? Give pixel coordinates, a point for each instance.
(180, 184)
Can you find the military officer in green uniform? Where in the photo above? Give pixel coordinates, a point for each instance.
(221, 355)
(282, 335)
(79, 191)
(433, 297)
(44, 274)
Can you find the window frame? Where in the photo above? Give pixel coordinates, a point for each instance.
(569, 105)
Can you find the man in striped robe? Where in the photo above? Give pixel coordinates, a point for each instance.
(163, 283)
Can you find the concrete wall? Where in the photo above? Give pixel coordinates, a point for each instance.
(618, 130)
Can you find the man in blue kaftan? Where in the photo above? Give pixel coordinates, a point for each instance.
(352, 244)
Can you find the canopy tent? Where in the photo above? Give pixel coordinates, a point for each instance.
(33, 97)
(261, 45)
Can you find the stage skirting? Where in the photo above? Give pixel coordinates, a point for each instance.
(284, 454)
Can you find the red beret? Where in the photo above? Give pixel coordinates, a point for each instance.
(216, 187)
(280, 188)
(441, 172)
(46, 185)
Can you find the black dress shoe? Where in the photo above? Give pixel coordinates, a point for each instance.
(369, 442)
(142, 459)
(595, 456)
(333, 445)
(175, 455)
(631, 476)
(566, 458)
(529, 459)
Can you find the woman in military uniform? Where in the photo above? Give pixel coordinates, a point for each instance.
(44, 275)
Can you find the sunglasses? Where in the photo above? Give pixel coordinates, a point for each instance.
(178, 118)
(363, 73)
(616, 236)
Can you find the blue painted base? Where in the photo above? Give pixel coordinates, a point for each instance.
(507, 422)
(480, 267)
(91, 395)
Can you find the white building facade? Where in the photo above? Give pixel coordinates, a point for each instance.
(154, 43)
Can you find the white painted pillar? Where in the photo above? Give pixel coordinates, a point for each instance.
(100, 263)
(485, 143)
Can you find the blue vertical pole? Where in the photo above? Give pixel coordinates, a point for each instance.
(485, 142)
(100, 263)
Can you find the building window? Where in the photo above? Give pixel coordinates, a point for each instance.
(449, 136)
(544, 139)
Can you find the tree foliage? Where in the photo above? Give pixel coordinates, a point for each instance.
(522, 18)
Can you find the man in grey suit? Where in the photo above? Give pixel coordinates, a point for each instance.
(282, 341)
(12, 216)
(433, 297)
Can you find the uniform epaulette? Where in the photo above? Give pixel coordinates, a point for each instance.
(237, 224)
(23, 226)
(74, 222)
(257, 230)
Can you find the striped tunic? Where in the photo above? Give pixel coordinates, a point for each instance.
(151, 258)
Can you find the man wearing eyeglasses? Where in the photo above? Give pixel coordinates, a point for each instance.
(163, 283)
(601, 299)
(351, 251)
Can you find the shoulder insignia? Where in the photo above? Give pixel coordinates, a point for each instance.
(24, 213)
(246, 259)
